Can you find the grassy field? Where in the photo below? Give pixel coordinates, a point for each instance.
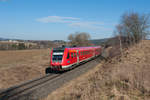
(22, 65)
(121, 78)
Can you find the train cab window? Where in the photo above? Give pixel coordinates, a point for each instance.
(68, 55)
(74, 54)
(57, 58)
(57, 55)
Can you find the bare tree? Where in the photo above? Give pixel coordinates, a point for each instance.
(134, 27)
(79, 39)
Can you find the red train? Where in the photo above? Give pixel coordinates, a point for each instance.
(68, 57)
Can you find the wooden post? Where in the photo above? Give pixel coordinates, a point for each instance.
(120, 44)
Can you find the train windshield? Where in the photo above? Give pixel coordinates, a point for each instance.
(57, 55)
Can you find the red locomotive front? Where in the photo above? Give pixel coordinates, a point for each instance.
(56, 60)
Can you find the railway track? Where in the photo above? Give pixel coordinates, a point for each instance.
(11, 93)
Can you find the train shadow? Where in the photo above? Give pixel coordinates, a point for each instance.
(51, 71)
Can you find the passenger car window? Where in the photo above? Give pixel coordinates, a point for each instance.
(68, 55)
(72, 55)
(83, 52)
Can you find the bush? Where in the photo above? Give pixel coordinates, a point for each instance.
(21, 46)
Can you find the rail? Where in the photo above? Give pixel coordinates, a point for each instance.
(14, 91)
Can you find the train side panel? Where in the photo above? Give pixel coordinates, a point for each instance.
(72, 56)
(69, 59)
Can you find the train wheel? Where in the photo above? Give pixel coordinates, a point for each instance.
(48, 70)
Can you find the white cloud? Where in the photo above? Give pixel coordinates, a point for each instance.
(57, 19)
(74, 22)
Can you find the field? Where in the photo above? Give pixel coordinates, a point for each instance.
(22, 65)
(124, 77)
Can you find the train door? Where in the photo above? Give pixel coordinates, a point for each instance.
(93, 52)
(77, 56)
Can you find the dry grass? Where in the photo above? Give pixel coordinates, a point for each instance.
(18, 66)
(121, 78)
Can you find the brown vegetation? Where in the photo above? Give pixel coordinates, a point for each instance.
(19, 66)
(124, 77)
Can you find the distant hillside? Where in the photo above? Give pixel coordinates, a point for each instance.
(7, 39)
(47, 43)
(14, 44)
(99, 41)
(3, 39)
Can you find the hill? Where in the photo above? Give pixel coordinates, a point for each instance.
(120, 78)
(8, 44)
(98, 41)
(16, 44)
(3, 39)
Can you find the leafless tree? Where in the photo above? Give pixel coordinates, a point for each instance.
(134, 27)
(79, 39)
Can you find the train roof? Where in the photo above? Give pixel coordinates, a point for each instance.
(75, 48)
(85, 47)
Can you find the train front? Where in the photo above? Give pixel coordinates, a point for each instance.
(57, 58)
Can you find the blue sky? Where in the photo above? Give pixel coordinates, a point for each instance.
(56, 19)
